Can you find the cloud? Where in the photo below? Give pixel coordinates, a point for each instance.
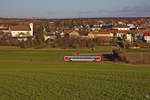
(137, 9)
(127, 11)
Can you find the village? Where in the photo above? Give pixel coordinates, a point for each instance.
(126, 32)
(75, 50)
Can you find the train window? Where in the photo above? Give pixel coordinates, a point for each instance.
(82, 58)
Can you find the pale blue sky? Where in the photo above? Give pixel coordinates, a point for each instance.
(74, 8)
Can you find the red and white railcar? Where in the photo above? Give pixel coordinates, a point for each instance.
(83, 58)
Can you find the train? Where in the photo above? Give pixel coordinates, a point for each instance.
(83, 58)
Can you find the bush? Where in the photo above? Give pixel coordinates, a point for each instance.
(142, 44)
(9, 42)
(118, 55)
(73, 43)
(22, 44)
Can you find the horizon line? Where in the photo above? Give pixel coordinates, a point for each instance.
(74, 17)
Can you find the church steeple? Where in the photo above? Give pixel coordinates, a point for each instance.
(31, 26)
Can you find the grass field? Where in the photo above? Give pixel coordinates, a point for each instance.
(42, 75)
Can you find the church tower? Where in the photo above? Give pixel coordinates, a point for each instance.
(31, 27)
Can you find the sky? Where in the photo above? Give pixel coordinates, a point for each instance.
(74, 8)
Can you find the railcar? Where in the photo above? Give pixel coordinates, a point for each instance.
(83, 58)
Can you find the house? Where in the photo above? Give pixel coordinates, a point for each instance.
(122, 28)
(95, 27)
(83, 34)
(49, 36)
(129, 36)
(147, 37)
(122, 22)
(103, 35)
(74, 34)
(76, 28)
(131, 26)
(106, 26)
(67, 31)
(21, 31)
(142, 27)
(91, 35)
(4, 29)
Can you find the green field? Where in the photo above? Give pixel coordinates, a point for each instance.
(42, 75)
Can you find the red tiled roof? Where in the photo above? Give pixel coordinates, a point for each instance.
(123, 31)
(147, 34)
(67, 31)
(122, 26)
(142, 26)
(20, 28)
(122, 20)
(104, 38)
(100, 32)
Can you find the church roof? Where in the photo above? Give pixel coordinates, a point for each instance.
(20, 28)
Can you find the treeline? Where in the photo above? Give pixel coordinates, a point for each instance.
(67, 42)
(76, 43)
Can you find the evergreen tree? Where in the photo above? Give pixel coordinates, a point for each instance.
(40, 35)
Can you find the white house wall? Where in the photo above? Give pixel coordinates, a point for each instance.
(17, 33)
(147, 38)
(102, 35)
(129, 37)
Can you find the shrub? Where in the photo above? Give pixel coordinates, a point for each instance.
(142, 44)
(118, 55)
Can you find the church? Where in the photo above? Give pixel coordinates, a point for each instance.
(21, 31)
